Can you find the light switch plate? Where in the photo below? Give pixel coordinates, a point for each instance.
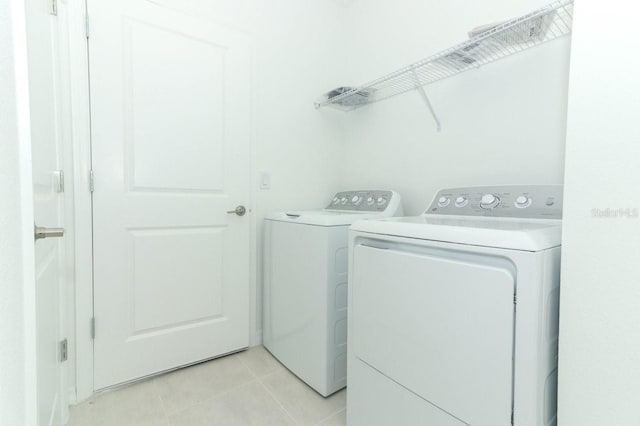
(265, 180)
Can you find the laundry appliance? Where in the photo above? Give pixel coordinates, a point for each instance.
(453, 314)
(305, 284)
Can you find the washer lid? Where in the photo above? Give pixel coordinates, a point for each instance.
(531, 235)
(320, 217)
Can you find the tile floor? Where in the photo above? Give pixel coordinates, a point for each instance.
(248, 388)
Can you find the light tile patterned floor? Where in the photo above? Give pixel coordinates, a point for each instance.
(248, 388)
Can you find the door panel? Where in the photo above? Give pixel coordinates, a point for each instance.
(170, 98)
(48, 331)
(440, 327)
(164, 258)
(175, 122)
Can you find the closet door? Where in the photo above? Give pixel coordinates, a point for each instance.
(170, 111)
(45, 114)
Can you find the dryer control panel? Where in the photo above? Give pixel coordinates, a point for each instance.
(518, 201)
(364, 201)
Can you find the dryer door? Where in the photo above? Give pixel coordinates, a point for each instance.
(439, 323)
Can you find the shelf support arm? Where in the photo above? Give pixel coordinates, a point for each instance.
(426, 100)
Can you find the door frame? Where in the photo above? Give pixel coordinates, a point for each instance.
(80, 220)
(78, 200)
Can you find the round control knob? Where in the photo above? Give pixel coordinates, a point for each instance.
(356, 200)
(343, 200)
(461, 201)
(381, 200)
(370, 201)
(489, 201)
(336, 200)
(443, 201)
(522, 202)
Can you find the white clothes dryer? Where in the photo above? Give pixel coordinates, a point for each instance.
(453, 315)
(305, 285)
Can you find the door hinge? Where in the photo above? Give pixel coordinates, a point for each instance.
(93, 327)
(515, 299)
(91, 187)
(86, 26)
(64, 350)
(52, 7)
(60, 174)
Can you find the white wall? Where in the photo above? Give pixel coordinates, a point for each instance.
(599, 372)
(297, 60)
(17, 297)
(501, 124)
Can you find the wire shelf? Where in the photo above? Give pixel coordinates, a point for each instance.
(499, 41)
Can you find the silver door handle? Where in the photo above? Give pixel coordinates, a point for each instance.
(240, 211)
(41, 232)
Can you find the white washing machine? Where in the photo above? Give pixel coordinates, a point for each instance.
(305, 285)
(453, 315)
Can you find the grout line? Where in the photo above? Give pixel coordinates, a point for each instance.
(211, 397)
(271, 373)
(301, 381)
(246, 366)
(280, 367)
(216, 396)
(295, 422)
(162, 403)
(330, 415)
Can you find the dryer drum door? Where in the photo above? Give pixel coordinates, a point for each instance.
(441, 327)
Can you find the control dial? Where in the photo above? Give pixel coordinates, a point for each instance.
(381, 200)
(336, 200)
(343, 200)
(489, 201)
(443, 201)
(522, 202)
(370, 201)
(356, 200)
(461, 201)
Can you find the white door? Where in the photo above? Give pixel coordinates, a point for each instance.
(42, 30)
(170, 110)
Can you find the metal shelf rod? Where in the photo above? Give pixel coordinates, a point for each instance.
(424, 96)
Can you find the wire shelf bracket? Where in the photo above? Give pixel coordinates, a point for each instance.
(483, 47)
(426, 100)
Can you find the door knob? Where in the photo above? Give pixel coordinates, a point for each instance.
(240, 211)
(40, 232)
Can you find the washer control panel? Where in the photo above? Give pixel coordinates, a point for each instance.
(362, 201)
(521, 201)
